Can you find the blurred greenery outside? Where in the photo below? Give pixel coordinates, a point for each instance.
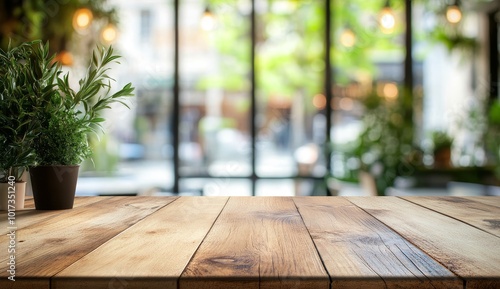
(388, 145)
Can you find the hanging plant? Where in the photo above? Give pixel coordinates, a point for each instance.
(454, 40)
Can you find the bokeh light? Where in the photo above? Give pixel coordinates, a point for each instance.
(348, 38)
(82, 19)
(109, 34)
(387, 20)
(453, 14)
(319, 101)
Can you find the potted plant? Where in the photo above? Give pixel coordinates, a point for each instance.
(442, 149)
(66, 117)
(17, 123)
(385, 146)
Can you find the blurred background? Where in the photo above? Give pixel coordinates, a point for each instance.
(285, 97)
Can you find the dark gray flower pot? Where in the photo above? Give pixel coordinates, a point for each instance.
(54, 186)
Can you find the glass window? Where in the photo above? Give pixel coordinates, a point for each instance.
(290, 187)
(134, 156)
(368, 71)
(290, 99)
(218, 186)
(145, 30)
(375, 125)
(215, 98)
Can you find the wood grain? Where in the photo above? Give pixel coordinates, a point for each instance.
(488, 200)
(469, 252)
(29, 217)
(29, 203)
(150, 254)
(477, 214)
(51, 245)
(256, 243)
(24, 218)
(361, 252)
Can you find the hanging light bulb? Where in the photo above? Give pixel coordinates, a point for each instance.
(348, 38)
(387, 19)
(109, 34)
(453, 13)
(207, 21)
(82, 19)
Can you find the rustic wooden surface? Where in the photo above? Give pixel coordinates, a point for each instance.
(45, 248)
(361, 252)
(467, 251)
(478, 214)
(492, 201)
(263, 242)
(171, 235)
(28, 216)
(258, 242)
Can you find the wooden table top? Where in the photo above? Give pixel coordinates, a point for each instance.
(257, 242)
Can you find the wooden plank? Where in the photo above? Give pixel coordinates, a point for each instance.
(488, 200)
(28, 217)
(44, 249)
(151, 254)
(361, 252)
(477, 214)
(469, 252)
(29, 203)
(257, 243)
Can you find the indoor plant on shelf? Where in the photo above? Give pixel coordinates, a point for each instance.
(66, 118)
(442, 143)
(17, 125)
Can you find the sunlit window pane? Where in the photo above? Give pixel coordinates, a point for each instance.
(215, 99)
(289, 69)
(221, 186)
(134, 156)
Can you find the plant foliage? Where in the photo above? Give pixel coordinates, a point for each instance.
(66, 115)
(19, 87)
(441, 140)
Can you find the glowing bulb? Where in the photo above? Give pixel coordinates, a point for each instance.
(348, 38)
(207, 21)
(453, 14)
(390, 90)
(109, 34)
(387, 20)
(82, 19)
(319, 101)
